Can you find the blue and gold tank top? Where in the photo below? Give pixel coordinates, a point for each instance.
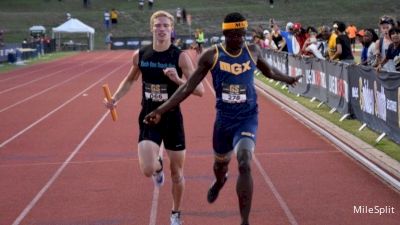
(233, 80)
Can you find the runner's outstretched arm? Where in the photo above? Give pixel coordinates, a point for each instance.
(269, 71)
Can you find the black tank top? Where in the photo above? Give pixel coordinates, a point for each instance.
(157, 87)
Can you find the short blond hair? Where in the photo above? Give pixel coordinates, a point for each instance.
(161, 13)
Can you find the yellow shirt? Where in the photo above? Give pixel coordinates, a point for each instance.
(114, 14)
(332, 45)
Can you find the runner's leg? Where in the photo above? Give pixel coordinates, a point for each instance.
(244, 186)
(148, 157)
(177, 159)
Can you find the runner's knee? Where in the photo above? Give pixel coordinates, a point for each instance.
(148, 171)
(244, 166)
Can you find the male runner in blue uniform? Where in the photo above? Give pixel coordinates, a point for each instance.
(161, 65)
(232, 65)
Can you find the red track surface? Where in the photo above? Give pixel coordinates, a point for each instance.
(64, 162)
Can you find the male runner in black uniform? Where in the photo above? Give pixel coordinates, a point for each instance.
(161, 65)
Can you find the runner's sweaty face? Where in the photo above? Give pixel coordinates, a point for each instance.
(234, 38)
(162, 28)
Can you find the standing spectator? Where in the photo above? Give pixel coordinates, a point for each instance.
(343, 45)
(310, 47)
(300, 36)
(184, 15)
(368, 39)
(332, 40)
(178, 15)
(385, 24)
(277, 38)
(114, 16)
(85, 3)
(271, 4)
(1, 38)
(199, 35)
(267, 43)
(391, 62)
(323, 37)
(288, 36)
(141, 4)
(107, 23)
(150, 4)
(108, 40)
(351, 31)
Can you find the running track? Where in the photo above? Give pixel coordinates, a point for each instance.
(63, 161)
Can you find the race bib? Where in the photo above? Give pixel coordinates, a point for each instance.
(156, 92)
(234, 93)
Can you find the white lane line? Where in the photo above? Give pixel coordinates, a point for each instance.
(275, 192)
(269, 182)
(39, 195)
(47, 76)
(58, 108)
(50, 88)
(23, 74)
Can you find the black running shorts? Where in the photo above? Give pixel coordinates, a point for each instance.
(169, 130)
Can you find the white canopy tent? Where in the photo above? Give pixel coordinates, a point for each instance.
(74, 26)
(37, 29)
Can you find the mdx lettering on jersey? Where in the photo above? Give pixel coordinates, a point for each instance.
(234, 68)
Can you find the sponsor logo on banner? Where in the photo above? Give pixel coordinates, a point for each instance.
(295, 71)
(366, 96)
(380, 101)
(338, 87)
(316, 77)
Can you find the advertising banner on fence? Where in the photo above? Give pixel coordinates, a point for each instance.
(325, 81)
(6, 49)
(338, 86)
(375, 99)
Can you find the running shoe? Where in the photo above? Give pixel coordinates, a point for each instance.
(158, 176)
(213, 192)
(176, 219)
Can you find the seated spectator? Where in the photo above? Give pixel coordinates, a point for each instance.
(391, 62)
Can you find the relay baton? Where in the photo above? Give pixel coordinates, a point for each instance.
(107, 93)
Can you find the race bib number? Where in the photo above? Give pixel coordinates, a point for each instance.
(156, 92)
(233, 93)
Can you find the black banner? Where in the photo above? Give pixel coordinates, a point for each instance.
(375, 99)
(338, 94)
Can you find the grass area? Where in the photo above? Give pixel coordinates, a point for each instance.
(46, 58)
(207, 14)
(367, 135)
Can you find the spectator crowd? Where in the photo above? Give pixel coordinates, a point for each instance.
(380, 48)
